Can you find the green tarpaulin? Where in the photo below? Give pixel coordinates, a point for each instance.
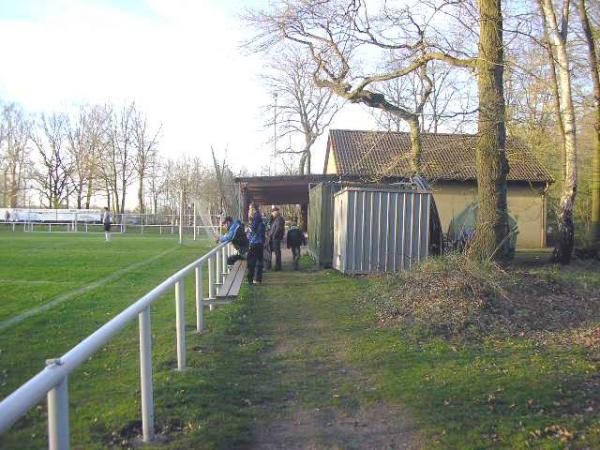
(462, 227)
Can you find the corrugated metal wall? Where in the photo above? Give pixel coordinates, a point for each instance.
(320, 222)
(380, 230)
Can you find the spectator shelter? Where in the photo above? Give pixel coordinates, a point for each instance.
(282, 190)
(449, 165)
(358, 159)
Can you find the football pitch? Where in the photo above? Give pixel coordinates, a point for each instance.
(56, 289)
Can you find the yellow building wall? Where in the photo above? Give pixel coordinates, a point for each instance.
(330, 167)
(525, 204)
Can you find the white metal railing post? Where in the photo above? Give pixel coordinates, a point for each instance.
(52, 382)
(58, 415)
(218, 270)
(199, 299)
(146, 388)
(180, 323)
(211, 278)
(223, 263)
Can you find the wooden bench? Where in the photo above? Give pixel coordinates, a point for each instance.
(233, 281)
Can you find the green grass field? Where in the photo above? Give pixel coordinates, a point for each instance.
(36, 269)
(300, 361)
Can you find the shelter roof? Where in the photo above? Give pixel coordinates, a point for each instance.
(286, 189)
(444, 157)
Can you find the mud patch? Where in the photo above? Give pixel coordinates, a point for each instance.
(378, 427)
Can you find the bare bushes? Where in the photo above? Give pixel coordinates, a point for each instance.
(456, 296)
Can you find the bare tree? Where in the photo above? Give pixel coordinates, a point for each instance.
(156, 180)
(220, 172)
(117, 165)
(86, 139)
(14, 137)
(49, 138)
(145, 142)
(97, 138)
(557, 35)
(304, 109)
(337, 33)
(590, 35)
(446, 105)
(78, 153)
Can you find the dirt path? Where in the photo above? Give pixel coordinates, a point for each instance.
(316, 399)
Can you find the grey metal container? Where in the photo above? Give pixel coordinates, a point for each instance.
(380, 229)
(320, 222)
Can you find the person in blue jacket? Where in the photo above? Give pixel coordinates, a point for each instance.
(257, 242)
(237, 236)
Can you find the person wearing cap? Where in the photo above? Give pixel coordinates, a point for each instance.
(276, 235)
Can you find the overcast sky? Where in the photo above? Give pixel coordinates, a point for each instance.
(178, 59)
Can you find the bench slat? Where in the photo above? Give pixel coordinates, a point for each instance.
(237, 283)
(231, 285)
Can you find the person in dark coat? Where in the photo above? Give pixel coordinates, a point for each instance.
(237, 236)
(256, 249)
(267, 252)
(276, 235)
(106, 221)
(295, 239)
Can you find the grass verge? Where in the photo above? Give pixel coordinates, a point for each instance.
(530, 383)
(104, 392)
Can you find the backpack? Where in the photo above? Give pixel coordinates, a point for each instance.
(240, 240)
(295, 237)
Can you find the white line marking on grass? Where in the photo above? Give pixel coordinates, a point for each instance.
(6, 281)
(82, 290)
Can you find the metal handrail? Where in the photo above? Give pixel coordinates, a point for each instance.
(52, 380)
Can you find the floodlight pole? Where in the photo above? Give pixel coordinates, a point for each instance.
(181, 217)
(273, 158)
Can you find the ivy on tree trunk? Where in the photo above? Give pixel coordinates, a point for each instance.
(491, 237)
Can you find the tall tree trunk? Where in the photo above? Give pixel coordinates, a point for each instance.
(88, 195)
(5, 197)
(79, 192)
(14, 188)
(309, 140)
(141, 193)
(556, 102)
(115, 200)
(304, 158)
(491, 236)
(593, 57)
(123, 194)
(566, 227)
(302, 164)
(415, 141)
(108, 194)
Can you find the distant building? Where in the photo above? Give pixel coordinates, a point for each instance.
(448, 162)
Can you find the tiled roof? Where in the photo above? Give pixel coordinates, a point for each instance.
(445, 156)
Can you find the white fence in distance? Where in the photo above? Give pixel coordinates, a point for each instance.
(89, 220)
(52, 381)
(77, 227)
